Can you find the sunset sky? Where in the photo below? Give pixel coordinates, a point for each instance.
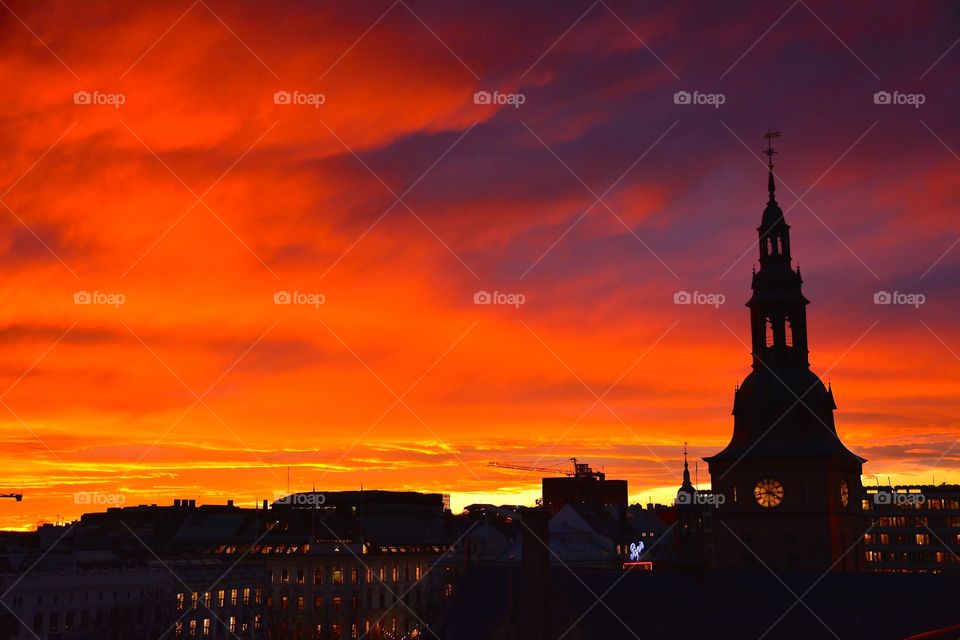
(398, 198)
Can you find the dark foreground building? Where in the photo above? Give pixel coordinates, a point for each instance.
(913, 528)
(313, 566)
(715, 605)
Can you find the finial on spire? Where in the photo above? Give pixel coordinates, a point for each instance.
(686, 471)
(770, 152)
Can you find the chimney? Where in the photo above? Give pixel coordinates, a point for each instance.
(193, 504)
(176, 502)
(535, 621)
(229, 503)
(264, 505)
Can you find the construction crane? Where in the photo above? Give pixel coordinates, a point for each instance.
(522, 467)
(16, 496)
(580, 470)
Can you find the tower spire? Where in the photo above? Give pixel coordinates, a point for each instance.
(686, 485)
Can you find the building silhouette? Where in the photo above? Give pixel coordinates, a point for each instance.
(792, 490)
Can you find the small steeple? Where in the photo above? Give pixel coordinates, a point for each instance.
(686, 487)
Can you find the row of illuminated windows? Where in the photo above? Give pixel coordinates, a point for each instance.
(235, 596)
(910, 502)
(918, 538)
(337, 630)
(913, 521)
(375, 598)
(282, 549)
(336, 603)
(203, 628)
(939, 557)
(337, 575)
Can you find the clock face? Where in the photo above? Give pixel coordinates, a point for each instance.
(768, 492)
(844, 493)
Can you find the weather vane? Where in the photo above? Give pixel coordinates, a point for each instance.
(770, 135)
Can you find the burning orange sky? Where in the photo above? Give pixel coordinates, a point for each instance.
(185, 193)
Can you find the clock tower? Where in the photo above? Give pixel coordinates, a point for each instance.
(792, 490)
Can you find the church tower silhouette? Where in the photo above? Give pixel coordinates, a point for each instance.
(792, 490)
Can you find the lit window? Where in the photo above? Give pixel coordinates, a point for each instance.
(338, 575)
